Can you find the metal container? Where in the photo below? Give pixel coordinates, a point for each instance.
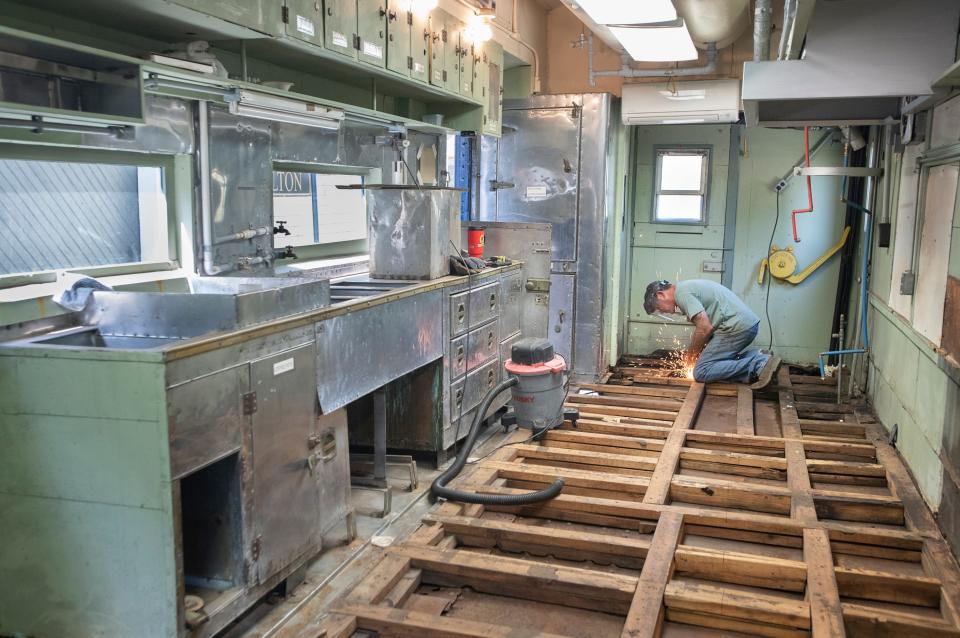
(413, 230)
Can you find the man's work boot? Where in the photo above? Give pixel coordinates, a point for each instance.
(766, 373)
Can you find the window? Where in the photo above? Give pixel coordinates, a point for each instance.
(69, 215)
(681, 185)
(313, 211)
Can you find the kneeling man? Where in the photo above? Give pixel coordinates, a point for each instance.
(723, 328)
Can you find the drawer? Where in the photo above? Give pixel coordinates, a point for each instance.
(505, 346)
(483, 344)
(479, 382)
(457, 357)
(456, 404)
(511, 290)
(473, 308)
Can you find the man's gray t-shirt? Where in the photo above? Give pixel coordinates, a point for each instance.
(726, 311)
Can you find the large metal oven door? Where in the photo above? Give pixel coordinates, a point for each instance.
(538, 173)
(286, 495)
(560, 329)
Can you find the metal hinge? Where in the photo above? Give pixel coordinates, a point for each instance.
(496, 186)
(285, 14)
(410, 62)
(255, 548)
(444, 76)
(249, 403)
(356, 41)
(443, 35)
(410, 18)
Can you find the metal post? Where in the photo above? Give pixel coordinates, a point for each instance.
(380, 437)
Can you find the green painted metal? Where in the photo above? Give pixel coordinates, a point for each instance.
(481, 64)
(340, 26)
(465, 53)
(438, 47)
(420, 38)
(264, 16)
(451, 64)
(372, 31)
(304, 20)
(399, 25)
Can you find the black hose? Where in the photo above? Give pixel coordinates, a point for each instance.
(439, 487)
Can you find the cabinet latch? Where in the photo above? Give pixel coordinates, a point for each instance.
(255, 548)
(537, 285)
(249, 403)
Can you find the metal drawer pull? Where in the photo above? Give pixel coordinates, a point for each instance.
(459, 354)
(461, 311)
(490, 339)
(493, 301)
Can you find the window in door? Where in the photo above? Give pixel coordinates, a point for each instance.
(681, 185)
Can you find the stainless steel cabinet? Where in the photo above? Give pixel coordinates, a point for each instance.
(340, 26)
(372, 31)
(304, 20)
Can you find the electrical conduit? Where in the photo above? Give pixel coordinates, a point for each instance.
(809, 208)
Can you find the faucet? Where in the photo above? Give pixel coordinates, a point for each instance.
(280, 229)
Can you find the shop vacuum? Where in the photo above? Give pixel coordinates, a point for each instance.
(538, 380)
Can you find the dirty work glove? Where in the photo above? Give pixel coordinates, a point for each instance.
(460, 265)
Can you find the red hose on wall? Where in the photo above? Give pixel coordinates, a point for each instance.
(809, 208)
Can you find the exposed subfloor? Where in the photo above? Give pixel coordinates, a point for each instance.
(688, 510)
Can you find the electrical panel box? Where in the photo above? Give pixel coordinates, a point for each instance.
(419, 63)
(264, 16)
(340, 26)
(493, 111)
(438, 48)
(451, 65)
(399, 22)
(372, 31)
(303, 19)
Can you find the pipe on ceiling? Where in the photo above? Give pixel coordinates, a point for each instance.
(720, 22)
(626, 71)
(762, 14)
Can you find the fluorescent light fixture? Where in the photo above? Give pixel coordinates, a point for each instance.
(629, 11)
(278, 109)
(656, 44)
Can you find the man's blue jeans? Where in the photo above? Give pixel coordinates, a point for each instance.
(726, 358)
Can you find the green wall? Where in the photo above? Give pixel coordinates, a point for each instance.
(743, 184)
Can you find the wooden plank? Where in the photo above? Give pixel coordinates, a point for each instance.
(626, 402)
(534, 580)
(741, 569)
(722, 601)
(620, 428)
(645, 617)
(574, 478)
(624, 443)
(858, 508)
(885, 587)
(404, 623)
(660, 482)
(825, 611)
(870, 622)
(638, 413)
(660, 392)
(754, 498)
(745, 425)
(599, 459)
(727, 624)
(381, 579)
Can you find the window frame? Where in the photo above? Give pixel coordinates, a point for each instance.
(659, 152)
(176, 169)
(347, 248)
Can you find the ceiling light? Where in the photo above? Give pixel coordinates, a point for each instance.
(656, 44)
(635, 12)
(278, 109)
(478, 28)
(421, 8)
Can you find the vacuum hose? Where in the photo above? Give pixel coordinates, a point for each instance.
(439, 486)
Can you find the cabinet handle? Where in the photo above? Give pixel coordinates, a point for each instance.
(461, 309)
(491, 378)
(329, 11)
(490, 339)
(459, 354)
(493, 301)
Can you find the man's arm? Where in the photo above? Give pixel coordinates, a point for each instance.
(702, 329)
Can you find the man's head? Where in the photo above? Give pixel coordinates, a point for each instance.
(659, 297)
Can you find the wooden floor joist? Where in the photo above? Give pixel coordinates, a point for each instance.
(675, 512)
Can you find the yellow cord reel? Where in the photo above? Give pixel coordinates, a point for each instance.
(782, 263)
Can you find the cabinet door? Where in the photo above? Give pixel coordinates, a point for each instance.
(286, 495)
(340, 26)
(480, 73)
(304, 20)
(492, 116)
(399, 24)
(372, 29)
(466, 66)
(451, 80)
(420, 47)
(260, 15)
(438, 48)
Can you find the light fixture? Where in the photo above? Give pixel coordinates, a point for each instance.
(656, 44)
(478, 26)
(421, 8)
(278, 109)
(635, 12)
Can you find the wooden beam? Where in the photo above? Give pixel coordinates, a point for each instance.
(676, 394)
(732, 603)
(745, 425)
(741, 569)
(573, 478)
(645, 617)
(659, 489)
(825, 611)
(613, 462)
(920, 591)
(871, 622)
(413, 624)
(626, 402)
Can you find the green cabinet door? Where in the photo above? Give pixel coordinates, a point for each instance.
(480, 64)
(340, 26)
(372, 29)
(265, 16)
(493, 105)
(399, 24)
(420, 47)
(438, 48)
(466, 66)
(452, 32)
(304, 20)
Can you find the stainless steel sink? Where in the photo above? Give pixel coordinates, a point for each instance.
(92, 337)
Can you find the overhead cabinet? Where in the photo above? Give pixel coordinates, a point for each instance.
(340, 26)
(451, 65)
(438, 48)
(264, 16)
(399, 38)
(465, 65)
(420, 37)
(303, 20)
(492, 100)
(372, 31)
